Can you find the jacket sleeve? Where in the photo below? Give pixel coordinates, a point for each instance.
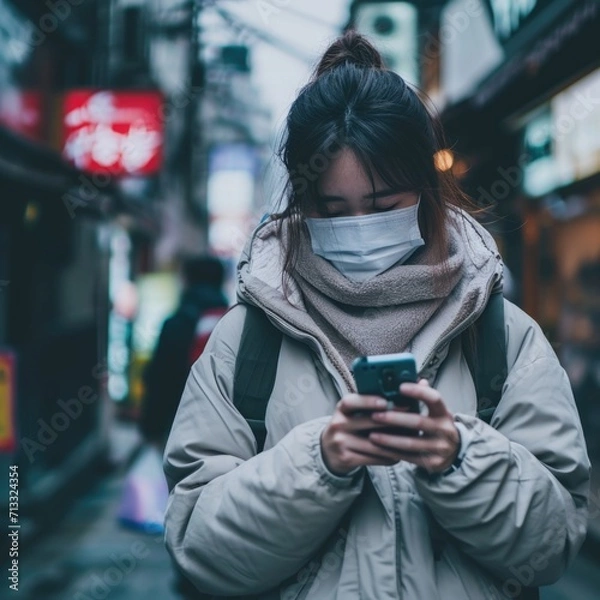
(518, 503)
(237, 522)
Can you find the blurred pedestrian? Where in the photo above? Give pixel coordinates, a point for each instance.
(374, 253)
(181, 341)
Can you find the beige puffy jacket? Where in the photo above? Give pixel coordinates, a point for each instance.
(280, 525)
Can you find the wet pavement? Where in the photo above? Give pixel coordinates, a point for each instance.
(89, 555)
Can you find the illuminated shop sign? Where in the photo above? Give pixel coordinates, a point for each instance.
(21, 112)
(508, 16)
(576, 128)
(561, 140)
(539, 175)
(120, 133)
(119, 322)
(20, 109)
(16, 40)
(520, 21)
(231, 189)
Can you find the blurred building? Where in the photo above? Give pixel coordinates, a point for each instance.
(518, 87)
(237, 129)
(82, 164)
(236, 146)
(215, 146)
(53, 263)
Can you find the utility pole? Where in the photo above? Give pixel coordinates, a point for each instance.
(194, 165)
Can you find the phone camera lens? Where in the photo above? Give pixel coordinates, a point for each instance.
(389, 380)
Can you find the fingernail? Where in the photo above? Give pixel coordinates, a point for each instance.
(381, 403)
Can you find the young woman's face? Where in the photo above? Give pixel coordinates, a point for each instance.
(345, 190)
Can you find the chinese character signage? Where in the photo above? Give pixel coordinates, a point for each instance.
(114, 132)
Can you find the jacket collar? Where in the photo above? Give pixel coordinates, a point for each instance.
(260, 283)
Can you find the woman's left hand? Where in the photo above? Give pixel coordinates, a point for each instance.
(437, 447)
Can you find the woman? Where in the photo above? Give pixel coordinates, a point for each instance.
(373, 255)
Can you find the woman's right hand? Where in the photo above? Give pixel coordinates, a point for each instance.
(344, 442)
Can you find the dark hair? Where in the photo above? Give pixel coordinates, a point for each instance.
(203, 269)
(353, 102)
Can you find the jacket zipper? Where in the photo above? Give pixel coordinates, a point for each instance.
(313, 343)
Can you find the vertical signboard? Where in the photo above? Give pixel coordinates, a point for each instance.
(119, 322)
(7, 401)
(561, 139)
(392, 27)
(231, 189)
(469, 50)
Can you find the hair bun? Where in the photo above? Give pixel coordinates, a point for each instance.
(351, 48)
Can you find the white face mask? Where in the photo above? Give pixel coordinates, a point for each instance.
(364, 246)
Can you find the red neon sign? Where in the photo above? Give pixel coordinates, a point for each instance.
(113, 132)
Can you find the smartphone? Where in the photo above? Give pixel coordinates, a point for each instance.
(381, 375)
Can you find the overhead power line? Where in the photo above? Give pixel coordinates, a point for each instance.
(264, 36)
(307, 17)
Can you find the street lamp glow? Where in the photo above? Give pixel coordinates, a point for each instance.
(443, 159)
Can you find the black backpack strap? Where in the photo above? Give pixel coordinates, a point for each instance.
(487, 360)
(255, 370)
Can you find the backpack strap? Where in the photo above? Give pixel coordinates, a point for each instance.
(487, 360)
(255, 370)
